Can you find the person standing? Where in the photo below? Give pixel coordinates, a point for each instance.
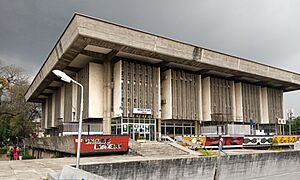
(11, 153)
(15, 153)
(220, 146)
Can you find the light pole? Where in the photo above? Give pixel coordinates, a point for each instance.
(64, 77)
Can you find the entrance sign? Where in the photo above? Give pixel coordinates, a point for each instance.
(142, 111)
(102, 143)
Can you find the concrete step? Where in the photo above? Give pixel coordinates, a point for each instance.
(159, 149)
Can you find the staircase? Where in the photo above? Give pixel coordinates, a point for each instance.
(158, 149)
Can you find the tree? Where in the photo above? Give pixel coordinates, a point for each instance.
(296, 125)
(16, 115)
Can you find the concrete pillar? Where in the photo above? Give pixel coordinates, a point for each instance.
(206, 99)
(107, 97)
(158, 127)
(265, 108)
(74, 100)
(166, 95)
(238, 102)
(233, 111)
(95, 91)
(200, 110)
(118, 109)
(62, 102)
(46, 113)
(53, 110)
(43, 122)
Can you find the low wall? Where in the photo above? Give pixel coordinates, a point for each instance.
(63, 144)
(234, 167)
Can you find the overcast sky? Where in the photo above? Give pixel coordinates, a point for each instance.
(266, 31)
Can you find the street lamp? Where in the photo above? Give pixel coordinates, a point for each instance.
(64, 77)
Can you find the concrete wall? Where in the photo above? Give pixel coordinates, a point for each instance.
(235, 167)
(64, 144)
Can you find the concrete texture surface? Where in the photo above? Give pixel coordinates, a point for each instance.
(39, 168)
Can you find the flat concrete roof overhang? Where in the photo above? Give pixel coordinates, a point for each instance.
(87, 39)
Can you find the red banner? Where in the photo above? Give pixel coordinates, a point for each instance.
(102, 143)
(228, 141)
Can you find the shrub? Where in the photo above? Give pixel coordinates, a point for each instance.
(3, 150)
(28, 156)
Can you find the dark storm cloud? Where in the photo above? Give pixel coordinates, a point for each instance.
(264, 31)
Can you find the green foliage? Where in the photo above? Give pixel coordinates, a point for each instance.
(296, 125)
(3, 150)
(16, 115)
(28, 156)
(206, 152)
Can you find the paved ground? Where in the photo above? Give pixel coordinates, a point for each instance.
(38, 168)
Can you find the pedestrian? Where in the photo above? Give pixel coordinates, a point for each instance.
(11, 153)
(220, 146)
(15, 153)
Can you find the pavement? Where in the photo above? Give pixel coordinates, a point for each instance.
(38, 168)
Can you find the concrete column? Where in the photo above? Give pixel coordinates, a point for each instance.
(53, 110)
(200, 110)
(46, 114)
(74, 100)
(197, 127)
(95, 91)
(62, 102)
(166, 95)
(43, 122)
(118, 109)
(238, 102)
(107, 97)
(206, 99)
(159, 94)
(158, 125)
(265, 108)
(233, 111)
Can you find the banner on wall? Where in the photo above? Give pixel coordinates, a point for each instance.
(199, 140)
(258, 140)
(228, 141)
(288, 140)
(102, 143)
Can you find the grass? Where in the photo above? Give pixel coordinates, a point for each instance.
(274, 148)
(207, 152)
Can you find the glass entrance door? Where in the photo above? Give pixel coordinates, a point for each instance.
(143, 129)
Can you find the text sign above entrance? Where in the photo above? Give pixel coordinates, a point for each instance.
(142, 111)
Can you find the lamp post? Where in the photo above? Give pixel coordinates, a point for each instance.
(64, 77)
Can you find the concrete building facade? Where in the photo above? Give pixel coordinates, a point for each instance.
(146, 85)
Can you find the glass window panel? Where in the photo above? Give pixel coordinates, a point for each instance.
(163, 130)
(113, 130)
(178, 130)
(170, 130)
(193, 130)
(187, 130)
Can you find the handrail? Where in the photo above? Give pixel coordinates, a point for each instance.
(168, 138)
